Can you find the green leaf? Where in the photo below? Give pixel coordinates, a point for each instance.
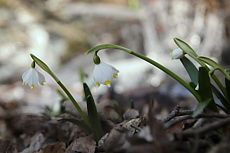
(227, 84)
(215, 65)
(185, 47)
(191, 69)
(205, 92)
(222, 99)
(92, 113)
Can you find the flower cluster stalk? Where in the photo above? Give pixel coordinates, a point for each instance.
(96, 49)
(71, 98)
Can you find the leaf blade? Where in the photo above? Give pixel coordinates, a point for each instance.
(227, 85)
(222, 99)
(92, 113)
(205, 92)
(191, 69)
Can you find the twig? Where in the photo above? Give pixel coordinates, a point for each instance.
(171, 115)
(201, 131)
(179, 119)
(136, 128)
(177, 112)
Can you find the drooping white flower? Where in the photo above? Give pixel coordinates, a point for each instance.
(197, 87)
(103, 74)
(177, 53)
(33, 77)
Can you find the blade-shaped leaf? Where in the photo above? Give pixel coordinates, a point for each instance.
(222, 99)
(191, 69)
(185, 47)
(92, 113)
(204, 84)
(227, 84)
(205, 91)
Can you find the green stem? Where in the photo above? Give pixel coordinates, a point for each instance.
(219, 84)
(45, 67)
(82, 114)
(156, 64)
(170, 73)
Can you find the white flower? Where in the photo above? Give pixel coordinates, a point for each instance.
(103, 74)
(33, 78)
(177, 53)
(197, 87)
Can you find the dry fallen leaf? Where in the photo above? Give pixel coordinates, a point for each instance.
(35, 143)
(131, 114)
(58, 147)
(115, 139)
(82, 145)
(7, 147)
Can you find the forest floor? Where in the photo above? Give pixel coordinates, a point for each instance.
(157, 128)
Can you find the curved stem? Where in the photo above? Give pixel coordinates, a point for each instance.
(71, 98)
(156, 64)
(45, 67)
(82, 114)
(170, 73)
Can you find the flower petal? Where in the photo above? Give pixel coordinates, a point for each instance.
(103, 74)
(177, 53)
(33, 78)
(41, 78)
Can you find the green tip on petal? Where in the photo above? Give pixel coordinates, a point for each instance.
(33, 64)
(107, 83)
(98, 84)
(115, 75)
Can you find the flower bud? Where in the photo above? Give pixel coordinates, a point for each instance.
(33, 64)
(96, 59)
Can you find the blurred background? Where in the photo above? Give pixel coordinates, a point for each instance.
(61, 31)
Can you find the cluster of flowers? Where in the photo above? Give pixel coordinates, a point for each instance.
(103, 73)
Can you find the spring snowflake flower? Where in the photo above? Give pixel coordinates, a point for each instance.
(33, 77)
(177, 53)
(103, 74)
(197, 87)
